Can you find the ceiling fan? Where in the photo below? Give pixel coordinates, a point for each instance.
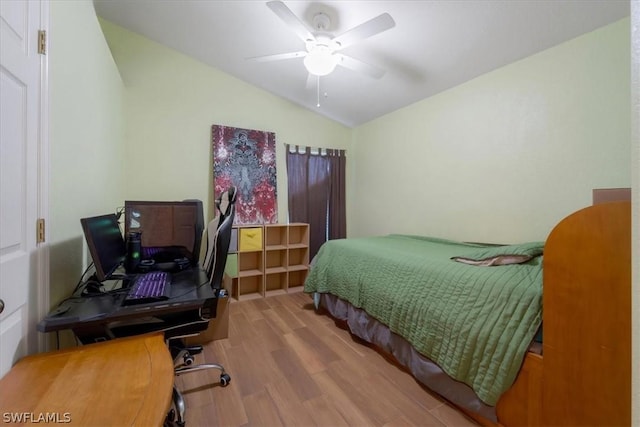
(322, 53)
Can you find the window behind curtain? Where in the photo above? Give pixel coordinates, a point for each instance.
(316, 183)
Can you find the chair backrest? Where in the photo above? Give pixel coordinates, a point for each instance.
(225, 204)
(225, 201)
(221, 249)
(209, 238)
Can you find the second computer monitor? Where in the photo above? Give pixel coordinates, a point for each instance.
(167, 229)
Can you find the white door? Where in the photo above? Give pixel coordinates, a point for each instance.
(20, 128)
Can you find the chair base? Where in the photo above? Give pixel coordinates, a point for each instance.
(183, 354)
(225, 379)
(175, 417)
(183, 359)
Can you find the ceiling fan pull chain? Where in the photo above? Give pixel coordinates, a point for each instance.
(318, 92)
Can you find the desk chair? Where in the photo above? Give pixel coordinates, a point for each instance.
(217, 250)
(225, 205)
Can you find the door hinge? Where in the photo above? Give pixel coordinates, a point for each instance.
(40, 232)
(42, 42)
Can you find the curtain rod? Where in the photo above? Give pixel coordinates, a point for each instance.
(294, 148)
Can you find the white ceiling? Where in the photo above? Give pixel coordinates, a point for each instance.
(435, 45)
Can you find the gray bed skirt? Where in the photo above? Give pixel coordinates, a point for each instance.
(424, 370)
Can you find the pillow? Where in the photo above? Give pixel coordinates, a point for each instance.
(502, 255)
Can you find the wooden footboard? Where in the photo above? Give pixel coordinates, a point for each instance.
(521, 405)
(584, 375)
(587, 318)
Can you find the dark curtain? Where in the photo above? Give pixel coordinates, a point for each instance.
(337, 199)
(316, 184)
(298, 173)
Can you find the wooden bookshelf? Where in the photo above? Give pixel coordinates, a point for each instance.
(272, 259)
(298, 255)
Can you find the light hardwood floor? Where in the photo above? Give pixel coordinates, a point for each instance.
(291, 366)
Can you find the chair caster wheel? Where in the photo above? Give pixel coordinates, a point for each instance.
(188, 359)
(225, 380)
(171, 421)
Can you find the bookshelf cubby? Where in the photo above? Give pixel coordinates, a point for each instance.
(271, 259)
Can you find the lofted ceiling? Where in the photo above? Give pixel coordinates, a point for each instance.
(434, 45)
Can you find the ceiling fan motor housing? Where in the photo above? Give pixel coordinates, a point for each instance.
(321, 21)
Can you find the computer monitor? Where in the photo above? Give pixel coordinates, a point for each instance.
(106, 244)
(168, 229)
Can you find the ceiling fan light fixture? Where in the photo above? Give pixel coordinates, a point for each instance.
(320, 61)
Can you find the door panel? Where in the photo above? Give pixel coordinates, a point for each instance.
(20, 72)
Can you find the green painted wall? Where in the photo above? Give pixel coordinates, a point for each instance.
(503, 157)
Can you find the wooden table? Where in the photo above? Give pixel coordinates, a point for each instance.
(127, 381)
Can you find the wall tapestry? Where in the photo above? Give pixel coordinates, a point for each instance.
(247, 159)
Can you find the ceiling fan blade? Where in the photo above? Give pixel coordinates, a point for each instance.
(296, 25)
(359, 66)
(367, 29)
(278, 56)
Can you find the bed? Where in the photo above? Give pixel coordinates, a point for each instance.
(467, 320)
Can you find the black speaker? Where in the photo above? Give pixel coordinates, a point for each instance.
(134, 252)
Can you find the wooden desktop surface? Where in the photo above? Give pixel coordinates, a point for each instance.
(127, 381)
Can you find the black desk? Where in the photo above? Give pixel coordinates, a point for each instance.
(103, 317)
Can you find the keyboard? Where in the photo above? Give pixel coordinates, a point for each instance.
(149, 287)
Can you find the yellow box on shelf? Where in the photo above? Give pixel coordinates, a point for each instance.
(250, 239)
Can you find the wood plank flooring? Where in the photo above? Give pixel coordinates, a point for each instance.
(291, 366)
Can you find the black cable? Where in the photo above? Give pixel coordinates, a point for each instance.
(81, 281)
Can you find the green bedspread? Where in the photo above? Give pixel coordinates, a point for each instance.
(475, 322)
